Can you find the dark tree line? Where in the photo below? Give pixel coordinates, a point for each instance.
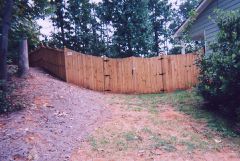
(117, 28)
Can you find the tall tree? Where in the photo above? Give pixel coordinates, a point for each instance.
(81, 18)
(104, 14)
(160, 15)
(99, 29)
(6, 21)
(130, 20)
(59, 19)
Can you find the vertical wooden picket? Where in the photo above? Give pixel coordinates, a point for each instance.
(129, 75)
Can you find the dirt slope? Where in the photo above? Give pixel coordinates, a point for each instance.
(58, 118)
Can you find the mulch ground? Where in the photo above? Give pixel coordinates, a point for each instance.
(57, 118)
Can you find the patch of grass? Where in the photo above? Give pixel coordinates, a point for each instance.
(146, 130)
(150, 102)
(153, 110)
(97, 143)
(93, 142)
(190, 146)
(135, 108)
(196, 142)
(167, 145)
(192, 104)
(121, 145)
(130, 136)
(187, 102)
(104, 141)
(156, 121)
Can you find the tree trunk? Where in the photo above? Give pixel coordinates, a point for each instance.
(23, 59)
(63, 34)
(156, 39)
(7, 15)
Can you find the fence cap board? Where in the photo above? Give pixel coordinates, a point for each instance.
(45, 47)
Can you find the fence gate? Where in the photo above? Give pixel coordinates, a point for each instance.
(134, 75)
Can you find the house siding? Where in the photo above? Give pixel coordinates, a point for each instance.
(205, 21)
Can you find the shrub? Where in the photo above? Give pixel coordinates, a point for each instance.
(220, 70)
(3, 99)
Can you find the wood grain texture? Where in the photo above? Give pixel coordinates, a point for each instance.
(130, 75)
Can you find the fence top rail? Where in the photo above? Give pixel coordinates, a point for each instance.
(72, 52)
(45, 47)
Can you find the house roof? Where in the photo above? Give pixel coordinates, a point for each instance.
(202, 6)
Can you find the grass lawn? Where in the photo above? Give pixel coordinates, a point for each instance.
(191, 104)
(161, 127)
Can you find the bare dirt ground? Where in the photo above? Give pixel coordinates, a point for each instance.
(143, 130)
(58, 117)
(64, 122)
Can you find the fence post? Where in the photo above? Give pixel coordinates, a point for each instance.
(23, 58)
(65, 64)
(106, 75)
(164, 63)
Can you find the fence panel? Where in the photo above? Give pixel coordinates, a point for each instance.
(50, 59)
(84, 70)
(129, 75)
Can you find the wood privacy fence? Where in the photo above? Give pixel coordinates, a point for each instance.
(129, 75)
(51, 60)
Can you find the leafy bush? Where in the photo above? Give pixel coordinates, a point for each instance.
(9, 102)
(220, 69)
(3, 99)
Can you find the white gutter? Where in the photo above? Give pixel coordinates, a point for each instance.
(199, 10)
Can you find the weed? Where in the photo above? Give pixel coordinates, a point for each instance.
(146, 130)
(104, 141)
(153, 110)
(93, 142)
(190, 146)
(161, 143)
(135, 108)
(121, 145)
(130, 136)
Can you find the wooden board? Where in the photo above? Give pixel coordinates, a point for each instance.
(129, 75)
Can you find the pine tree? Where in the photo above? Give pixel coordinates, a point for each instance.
(104, 13)
(59, 20)
(186, 7)
(82, 16)
(132, 36)
(160, 15)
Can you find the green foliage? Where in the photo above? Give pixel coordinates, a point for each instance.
(160, 16)
(186, 10)
(187, 7)
(220, 71)
(132, 35)
(3, 99)
(77, 26)
(24, 24)
(8, 101)
(116, 28)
